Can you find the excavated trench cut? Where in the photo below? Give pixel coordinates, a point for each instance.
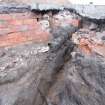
(68, 71)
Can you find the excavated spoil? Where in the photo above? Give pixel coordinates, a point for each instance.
(67, 71)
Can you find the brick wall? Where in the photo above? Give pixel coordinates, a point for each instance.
(17, 28)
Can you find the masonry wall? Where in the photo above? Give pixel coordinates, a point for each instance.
(20, 27)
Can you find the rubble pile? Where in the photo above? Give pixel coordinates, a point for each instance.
(90, 40)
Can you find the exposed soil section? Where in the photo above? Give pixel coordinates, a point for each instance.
(58, 59)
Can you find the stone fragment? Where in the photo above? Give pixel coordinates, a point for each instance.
(90, 42)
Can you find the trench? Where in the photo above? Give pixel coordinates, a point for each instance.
(68, 70)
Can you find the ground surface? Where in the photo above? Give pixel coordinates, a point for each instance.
(19, 68)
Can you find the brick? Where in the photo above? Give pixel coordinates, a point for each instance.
(11, 39)
(21, 28)
(26, 15)
(15, 22)
(17, 16)
(5, 31)
(30, 21)
(16, 28)
(21, 37)
(5, 17)
(38, 36)
(3, 24)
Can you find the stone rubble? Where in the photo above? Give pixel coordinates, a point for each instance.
(90, 41)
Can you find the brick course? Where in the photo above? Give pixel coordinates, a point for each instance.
(17, 28)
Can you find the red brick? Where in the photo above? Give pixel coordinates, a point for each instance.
(5, 17)
(20, 37)
(3, 24)
(18, 28)
(17, 16)
(15, 22)
(30, 21)
(5, 31)
(38, 36)
(22, 15)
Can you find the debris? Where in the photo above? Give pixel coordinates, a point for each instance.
(65, 17)
(90, 42)
(43, 49)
